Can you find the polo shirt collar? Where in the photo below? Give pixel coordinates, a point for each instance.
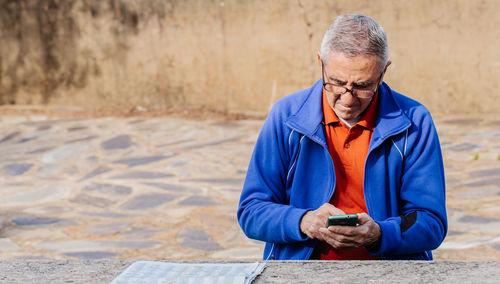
(368, 119)
(308, 119)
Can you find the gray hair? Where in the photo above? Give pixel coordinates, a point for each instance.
(355, 35)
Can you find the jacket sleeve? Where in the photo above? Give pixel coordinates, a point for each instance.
(422, 224)
(263, 212)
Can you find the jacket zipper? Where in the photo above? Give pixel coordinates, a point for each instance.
(332, 173)
(368, 197)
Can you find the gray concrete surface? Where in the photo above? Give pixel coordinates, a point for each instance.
(103, 271)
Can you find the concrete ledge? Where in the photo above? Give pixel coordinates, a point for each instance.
(104, 271)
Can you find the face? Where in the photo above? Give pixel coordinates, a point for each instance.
(360, 72)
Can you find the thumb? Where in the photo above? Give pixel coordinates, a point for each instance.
(332, 210)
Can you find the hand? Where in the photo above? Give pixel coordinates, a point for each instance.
(347, 237)
(312, 221)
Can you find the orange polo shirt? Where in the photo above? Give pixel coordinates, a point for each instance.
(348, 148)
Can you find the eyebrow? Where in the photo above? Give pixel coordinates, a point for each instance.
(337, 81)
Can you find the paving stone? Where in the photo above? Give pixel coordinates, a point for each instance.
(462, 147)
(198, 200)
(189, 176)
(484, 182)
(148, 201)
(50, 169)
(16, 169)
(105, 214)
(44, 127)
(6, 245)
(96, 172)
(26, 139)
(118, 142)
(110, 189)
(136, 121)
(77, 128)
(38, 118)
(13, 119)
(484, 134)
(142, 232)
(109, 228)
(485, 173)
(94, 245)
(238, 181)
(10, 136)
(480, 192)
(226, 124)
(41, 150)
(468, 243)
(239, 253)
(460, 121)
(64, 152)
(175, 142)
(41, 132)
(93, 254)
(210, 143)
(197, 239)
(132, 162)
(178, 163)
(42, 194)
(86, 199)
(477, 219)
(36, 221)
(452, 181)
(88, 138)
(142, 175)
(175, 187)
(454, 233)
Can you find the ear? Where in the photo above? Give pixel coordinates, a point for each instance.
(319, 59)
(385, 69)
(387, 65)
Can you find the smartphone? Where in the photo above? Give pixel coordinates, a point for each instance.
(342, 220)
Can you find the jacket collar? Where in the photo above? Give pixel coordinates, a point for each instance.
(308, 119)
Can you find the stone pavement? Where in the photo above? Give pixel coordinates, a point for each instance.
(168, 188)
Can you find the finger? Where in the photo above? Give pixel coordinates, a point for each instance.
(339, 241)
(364, 218)
(348, 231)
(332, 210)
(341, 238)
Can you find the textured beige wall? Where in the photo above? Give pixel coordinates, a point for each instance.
(236, 56)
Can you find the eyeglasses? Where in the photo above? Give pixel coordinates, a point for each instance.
(340, 90)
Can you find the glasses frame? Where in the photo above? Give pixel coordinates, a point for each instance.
(352, 90)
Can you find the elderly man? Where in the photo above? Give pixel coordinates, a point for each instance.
(347, 145)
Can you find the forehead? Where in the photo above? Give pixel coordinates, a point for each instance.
(361, 66)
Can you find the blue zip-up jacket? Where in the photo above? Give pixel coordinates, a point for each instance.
(291, 172)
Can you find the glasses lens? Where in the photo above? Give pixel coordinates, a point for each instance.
(335, 89)
(363, 94)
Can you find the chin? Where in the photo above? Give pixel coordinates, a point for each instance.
(347, 117)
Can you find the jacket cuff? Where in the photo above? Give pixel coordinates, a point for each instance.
(390, 237)
(294, 224)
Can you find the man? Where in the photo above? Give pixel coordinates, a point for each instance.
(347, 145)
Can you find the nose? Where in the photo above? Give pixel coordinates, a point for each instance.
(347, 99)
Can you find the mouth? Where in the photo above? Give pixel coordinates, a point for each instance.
(344, 108)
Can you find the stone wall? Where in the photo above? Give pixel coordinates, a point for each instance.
(235, 56)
